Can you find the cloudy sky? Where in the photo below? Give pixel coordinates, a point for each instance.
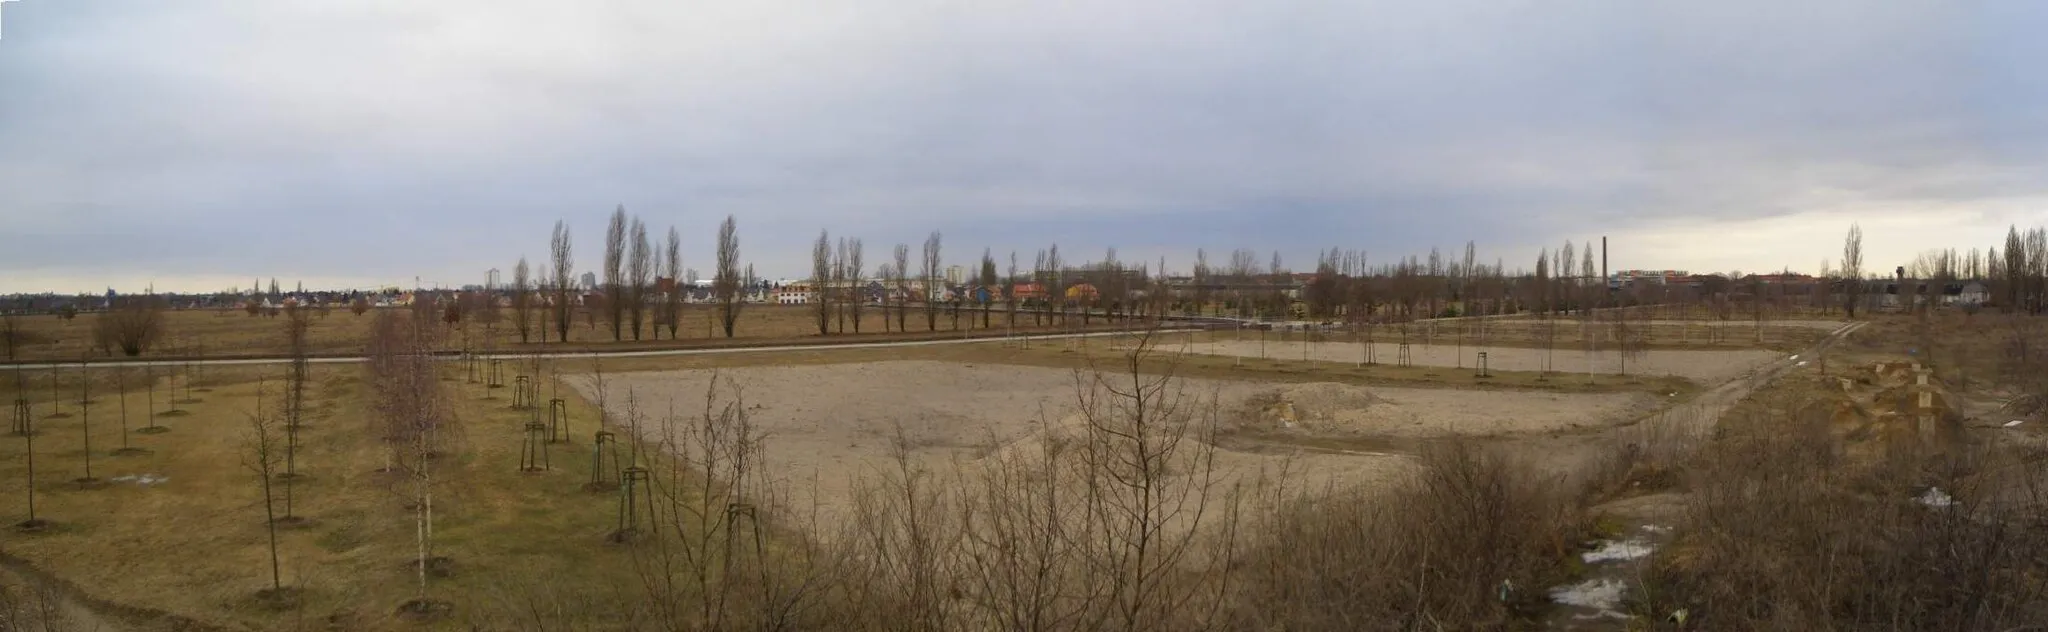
(199, 144)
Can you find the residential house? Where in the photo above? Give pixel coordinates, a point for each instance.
(1971, 294)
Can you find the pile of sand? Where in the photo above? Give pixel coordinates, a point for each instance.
(1320, 407)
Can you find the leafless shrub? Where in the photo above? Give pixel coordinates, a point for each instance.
(1467, 542)
(706, 562)
(132, 323)
(33, 606)
(1117, 518)
(1786, 530)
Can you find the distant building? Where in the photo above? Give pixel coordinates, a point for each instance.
(589, 280)
(956, 275)
(1659, 277)
(1972, 293)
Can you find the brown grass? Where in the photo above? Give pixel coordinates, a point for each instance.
(1468, 542)
(1787, 530)
(1805, 511)
(194, 546)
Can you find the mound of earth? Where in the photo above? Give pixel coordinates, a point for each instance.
(1322, 408)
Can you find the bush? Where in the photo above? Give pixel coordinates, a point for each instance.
(1787, 531)
(1433, 551)
(132, 324)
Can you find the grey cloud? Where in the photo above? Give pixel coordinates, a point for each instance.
(442, 137)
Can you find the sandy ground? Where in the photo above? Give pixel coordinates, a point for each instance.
(828, 427)
(1707, 367)
(1341, 410)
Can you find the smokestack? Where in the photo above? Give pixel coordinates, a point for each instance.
(1603, 264)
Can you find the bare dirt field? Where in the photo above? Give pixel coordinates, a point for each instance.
(828, 426)
(1705, 366)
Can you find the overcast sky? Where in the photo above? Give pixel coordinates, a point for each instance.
(199, 144)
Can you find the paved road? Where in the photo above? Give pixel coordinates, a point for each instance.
(590, 354)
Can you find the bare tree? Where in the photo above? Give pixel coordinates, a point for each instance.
(1056, 282)
(84, 419)
(639, 266)
(837, 288)
(931, 281)
(296, 374)
(522, 299)
(565, 267)
(704, 557)
(726, 286)
(1852, 269)
(886, 274)
(132, 323)
(614, 272)
(1010, 289)
(902, 289)
(821, 273)
(1595, 288)
(262, 460)
(416, 421)
(987, 280)
(672, 303)
(856, 297)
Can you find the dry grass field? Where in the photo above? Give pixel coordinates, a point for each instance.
(173, 530)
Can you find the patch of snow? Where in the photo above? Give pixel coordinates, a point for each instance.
(1656, 529)
(1795, 358)
(1612, 551)
(2014, 423)
(144, 480)
(1601, 594)
(1801, 363)
(1934, 497)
